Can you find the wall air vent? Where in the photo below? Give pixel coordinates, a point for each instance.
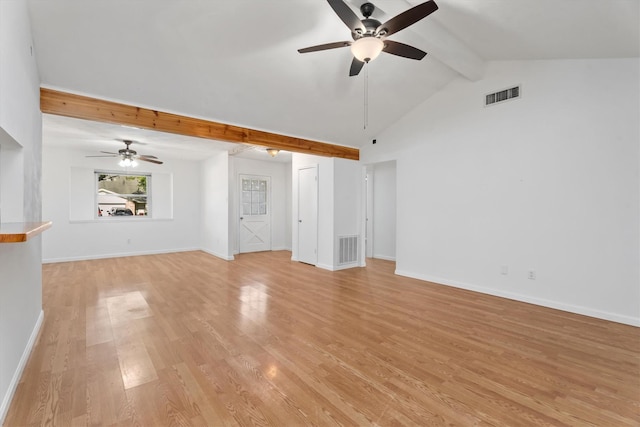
(503, 95)
(348, 249)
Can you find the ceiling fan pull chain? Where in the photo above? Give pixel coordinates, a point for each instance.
(366, 95)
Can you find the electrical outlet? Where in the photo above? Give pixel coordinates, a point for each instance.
(504, 270)
(531, 275)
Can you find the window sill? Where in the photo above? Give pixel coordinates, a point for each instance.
(117, 219)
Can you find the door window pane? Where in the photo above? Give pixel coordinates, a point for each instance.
(254, 196)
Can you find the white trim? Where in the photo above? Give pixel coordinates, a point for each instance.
(346, 266)
(221, 256)
(121, 255)
(384, 257)
(117, 219)
(13, 385)
(325, 267)
(339, 267)
(586, 311)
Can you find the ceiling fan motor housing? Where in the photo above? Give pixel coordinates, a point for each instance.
(367, 9)
(127, 152)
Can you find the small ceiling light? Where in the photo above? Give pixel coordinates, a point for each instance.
(367, 48)
(127, 161)
(273, 151)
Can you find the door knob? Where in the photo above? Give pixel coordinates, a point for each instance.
(299, 220)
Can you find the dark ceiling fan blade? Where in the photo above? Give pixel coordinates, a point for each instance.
(404, 50)
(325, 46)
(107, 152)
(406, 18)
(347, 15)
(356, 66)
(157, 162)
(147, 156)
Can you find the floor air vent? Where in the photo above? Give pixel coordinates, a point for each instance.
(503, 95)
(348, 250)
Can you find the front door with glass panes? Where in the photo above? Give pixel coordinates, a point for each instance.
(255, 213)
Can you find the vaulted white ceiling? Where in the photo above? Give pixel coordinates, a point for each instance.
(236, 61)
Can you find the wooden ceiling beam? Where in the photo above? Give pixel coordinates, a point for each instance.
(83, 107)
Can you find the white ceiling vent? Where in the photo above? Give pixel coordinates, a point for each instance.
(503, 95)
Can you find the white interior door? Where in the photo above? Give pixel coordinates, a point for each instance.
(255, 213)
(308, 215)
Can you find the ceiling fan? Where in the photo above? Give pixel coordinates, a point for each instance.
(370, 36)
(129, 157)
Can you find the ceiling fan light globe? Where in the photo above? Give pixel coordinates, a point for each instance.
(367, 49)
(134, 163)
(125, 162)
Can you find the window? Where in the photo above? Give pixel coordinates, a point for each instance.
(254, 196)
(122, 194)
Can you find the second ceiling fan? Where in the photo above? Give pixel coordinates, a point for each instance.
(128, 156)
(370, 36)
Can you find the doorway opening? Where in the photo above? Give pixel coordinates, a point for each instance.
(380, 210)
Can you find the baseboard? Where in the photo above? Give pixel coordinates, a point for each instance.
(117, 255)
(215, 254)
(384, 257)
(13, 385)
(585, 311)
(325, 267)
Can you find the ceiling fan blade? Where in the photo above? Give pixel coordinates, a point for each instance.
(325, 46)
(347, 15)
(111, 155)
(356, 66)
(157, 162)
(147, 156)
(107, 152)
(406, 18)
(404, 50)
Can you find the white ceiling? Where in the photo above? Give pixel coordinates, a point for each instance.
(236, 61)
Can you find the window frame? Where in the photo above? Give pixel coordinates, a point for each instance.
(149, 210)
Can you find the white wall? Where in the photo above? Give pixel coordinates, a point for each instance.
(20, 133)
(348, 199)
(111, 237)
(383, 177)
(215, 206)
(288, 184)
(547, 182)
(280, 174)
(11, 188)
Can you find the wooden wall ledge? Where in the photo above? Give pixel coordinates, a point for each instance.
(16, 232)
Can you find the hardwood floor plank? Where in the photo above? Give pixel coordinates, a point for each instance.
(187, 339)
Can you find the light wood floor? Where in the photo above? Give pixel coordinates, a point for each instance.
(188, 339)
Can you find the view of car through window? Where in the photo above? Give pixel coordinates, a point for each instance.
(122, 194)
